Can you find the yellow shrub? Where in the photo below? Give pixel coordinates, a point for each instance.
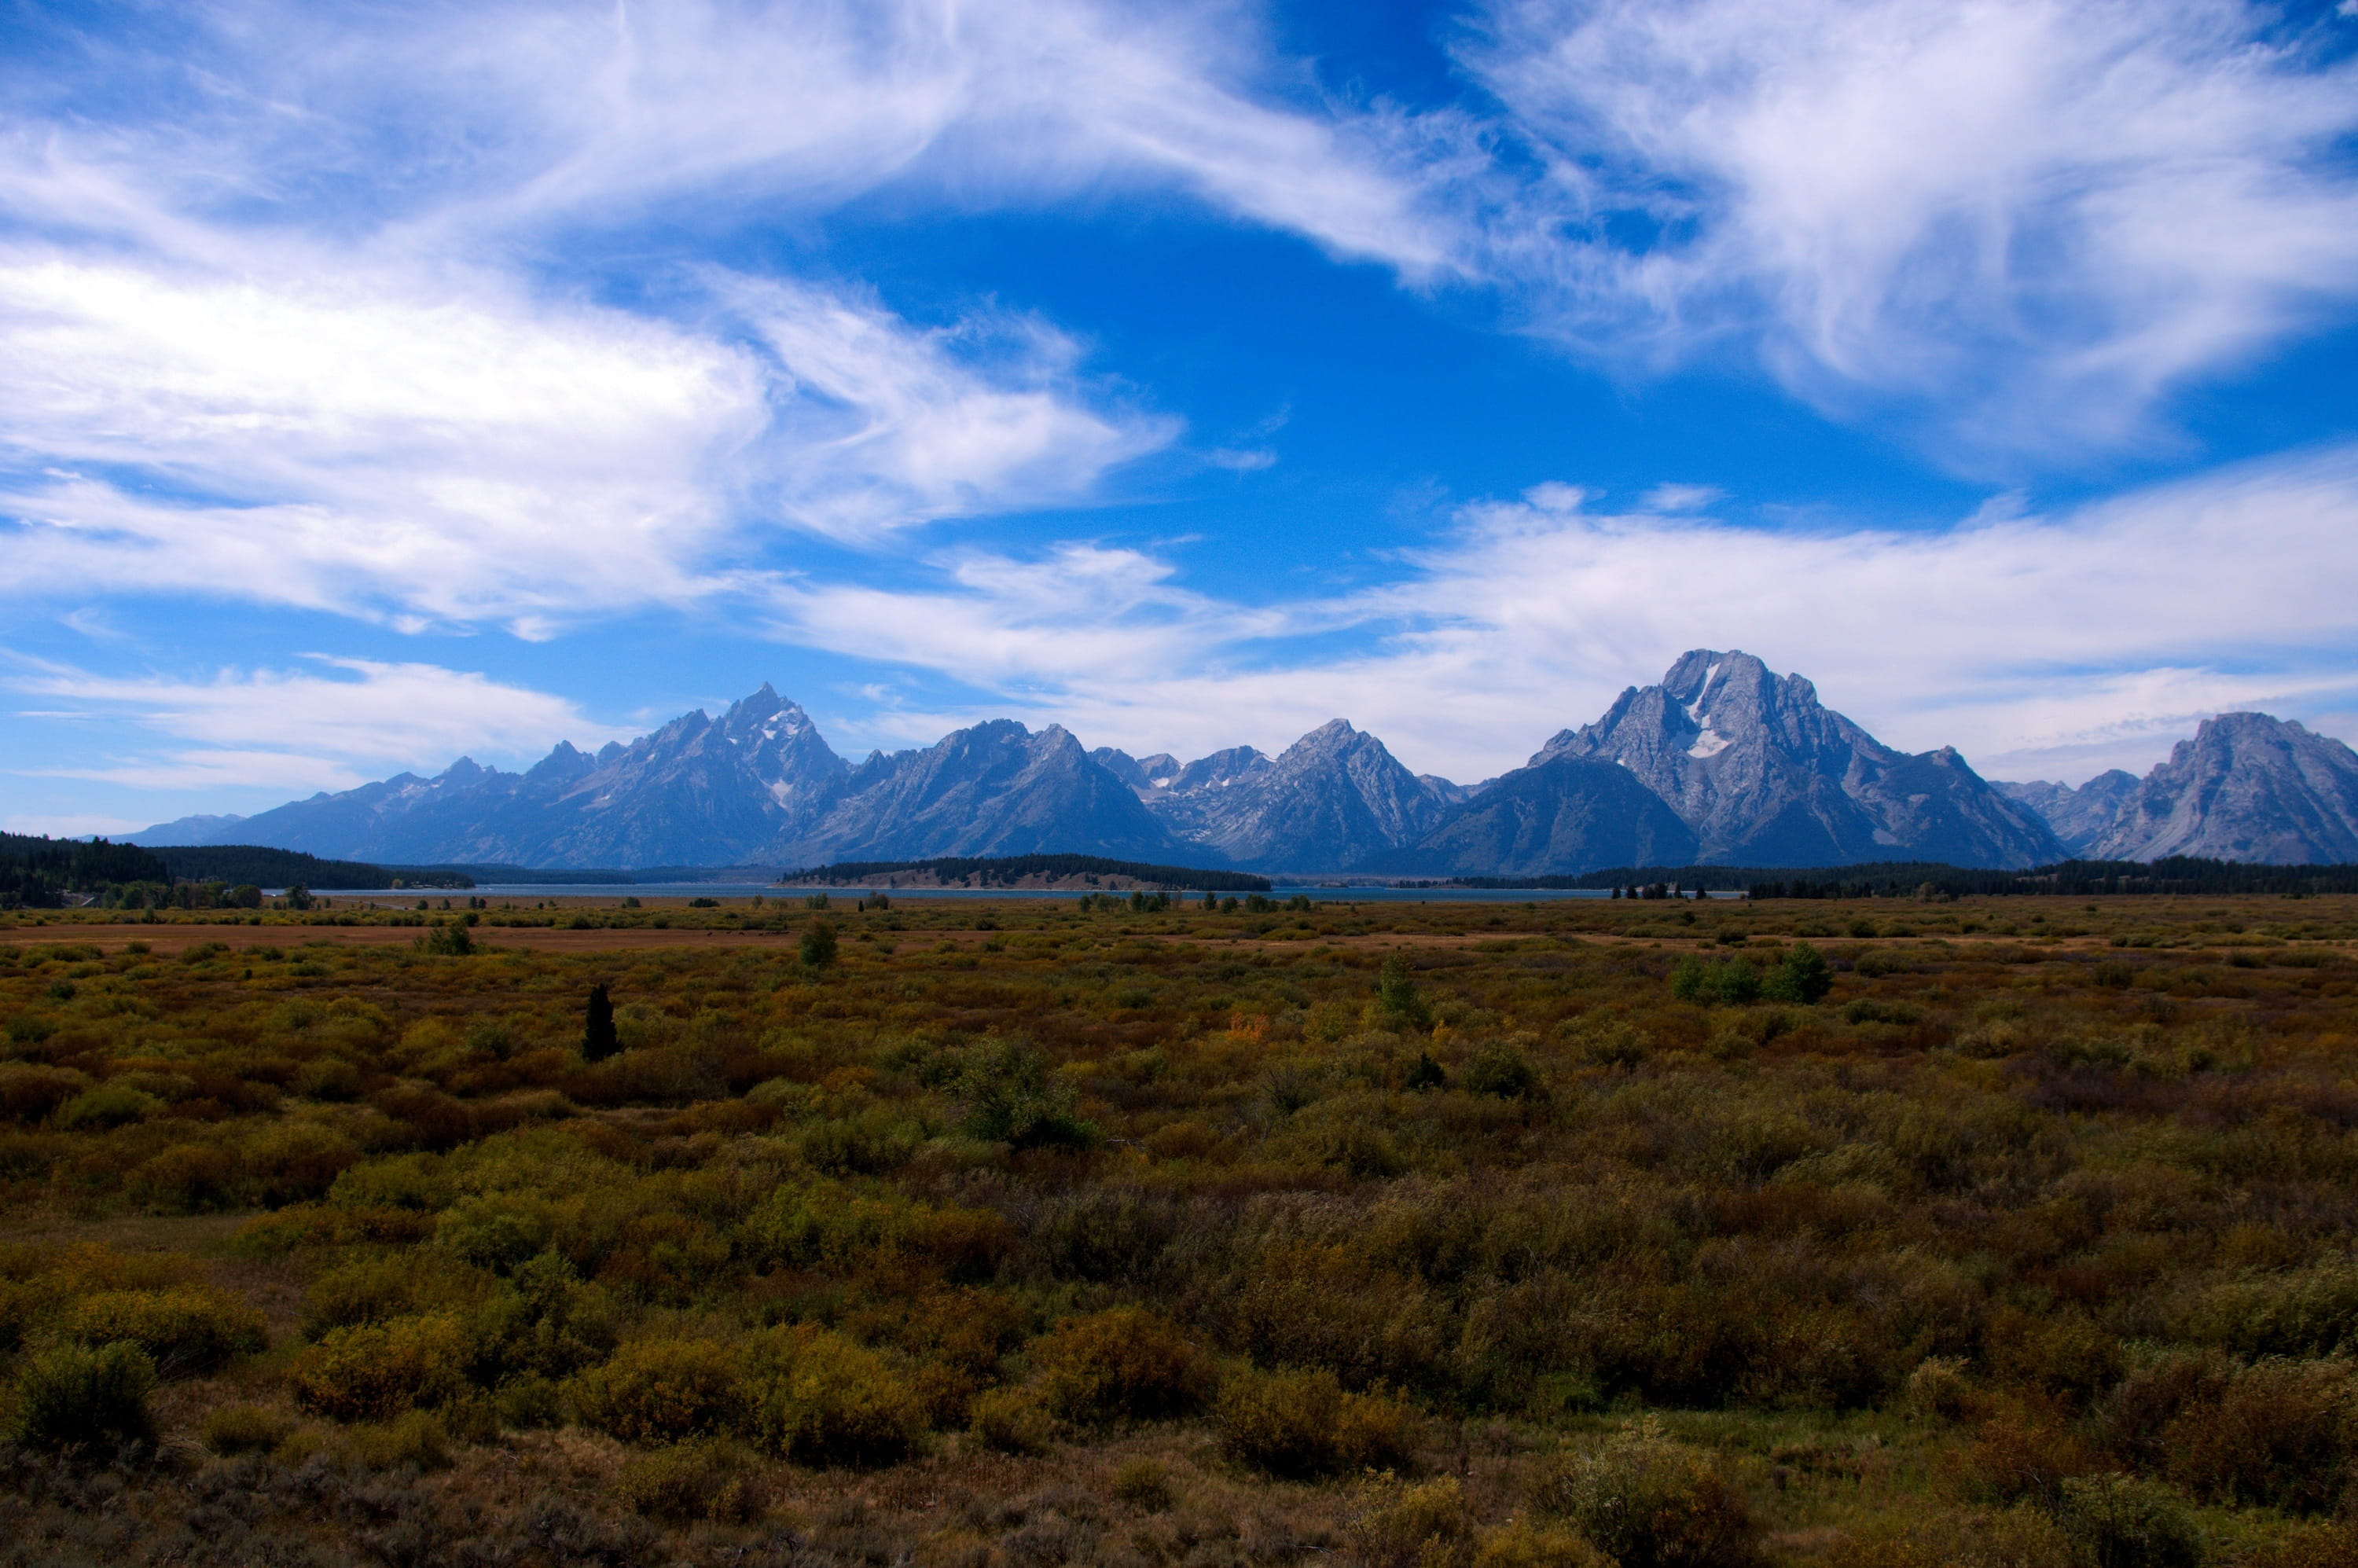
(375, 1371)
(1126, 1362)
(186, 1330)
(699, 1480)
(663, 1391)
(820, 1399)
(244, 1429)
(1415, 1527)
(1013, 1421)
(1302, 1425)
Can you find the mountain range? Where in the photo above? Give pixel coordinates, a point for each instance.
(1722, 762)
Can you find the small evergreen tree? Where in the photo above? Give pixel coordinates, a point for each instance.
(599, 1040)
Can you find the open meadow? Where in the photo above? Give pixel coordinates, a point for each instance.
(1036, 1232)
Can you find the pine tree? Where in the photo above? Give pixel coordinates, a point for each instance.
(599, 1040)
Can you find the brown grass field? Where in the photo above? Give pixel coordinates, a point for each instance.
(1017, 1235)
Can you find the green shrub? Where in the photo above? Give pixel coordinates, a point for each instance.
(1500, 1069)
(69, 1395)
(377, 1371)
(1736, 982)
(2124, 1523)
(108, 1105)
(183, 1331)
(231, 1429)
(1398, 1003)
(2311, 1311)
(1128, 1363)
(707, 1478)
(1803, 976)
(1302, 1426)
(1010, 1098)
(820, 1399)
(663, 1391)
(816, 945)
(1648, 1502)
(1691, 979)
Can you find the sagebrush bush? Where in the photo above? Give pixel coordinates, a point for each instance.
(2122, 1522)
(1128, 1363)
(664, 1391)
(821, 1398)
(234, 1429)
(1649, 1502)
(416, 1438)
(2281, 1434)
(703, 1479)
(375, 1372)
(1013, 1420)
(1523, 1543)
(69, 1395)
(1302, 1426)
(1414, 1526)
(184, 1331)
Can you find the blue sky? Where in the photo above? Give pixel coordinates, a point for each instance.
(383, 382)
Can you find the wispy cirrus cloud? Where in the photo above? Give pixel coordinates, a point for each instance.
(2021, 222)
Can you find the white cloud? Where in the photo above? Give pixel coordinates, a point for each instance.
(335, 725)
(457, 451)
(2031, 219)
(2036, 644)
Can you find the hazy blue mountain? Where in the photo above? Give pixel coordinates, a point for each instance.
(996, 789)
(1767, 775)
(699, 791)
(1558, 818)
(2082, 817)
(2247, 787)
(184, 830)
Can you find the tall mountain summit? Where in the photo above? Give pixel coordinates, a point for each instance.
(1767, 775)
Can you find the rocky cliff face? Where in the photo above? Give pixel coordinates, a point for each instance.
(2078, 817)
(1767, 775)
(2247, 787)
(996, 789)
(1559, 817)
(1333, 798)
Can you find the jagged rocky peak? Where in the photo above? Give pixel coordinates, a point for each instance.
(1766, 774)
(2247, 787)
(2080, 816)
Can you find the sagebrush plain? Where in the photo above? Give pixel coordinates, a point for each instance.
(1017, 1234)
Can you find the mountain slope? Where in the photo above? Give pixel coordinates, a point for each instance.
(995, 789)
(2079, 816)
(2247, 787)
(1331, 800)
(1559, 817)
(1766, 774)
